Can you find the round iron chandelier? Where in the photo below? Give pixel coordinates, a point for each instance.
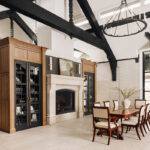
(124, 22)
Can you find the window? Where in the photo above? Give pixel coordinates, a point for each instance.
(146, 75)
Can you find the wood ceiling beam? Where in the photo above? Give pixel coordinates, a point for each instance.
(147, 34)
(4, 14)
(99, 33)
(42, 15)
(25, 27)
(11, 14)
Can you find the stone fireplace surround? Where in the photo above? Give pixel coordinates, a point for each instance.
(57, 82)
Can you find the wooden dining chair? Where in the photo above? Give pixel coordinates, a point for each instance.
(146, 118)
(106, 103)
(98, 104)
(116, 104)
(139, 103)
(102, 113)
(135, 122)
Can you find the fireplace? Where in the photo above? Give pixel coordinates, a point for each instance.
(64, 98)
(65, 101)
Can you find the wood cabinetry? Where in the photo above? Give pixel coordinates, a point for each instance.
(90, 83)
(12, 50)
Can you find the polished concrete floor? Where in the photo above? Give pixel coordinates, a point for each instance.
(69, 135)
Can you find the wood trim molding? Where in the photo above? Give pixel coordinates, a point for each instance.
(7, 93)
(91, 67)
(44, 83)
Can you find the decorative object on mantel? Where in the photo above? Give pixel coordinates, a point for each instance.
(126, 93)
(66, 67)
(50, 63)
(124, 22)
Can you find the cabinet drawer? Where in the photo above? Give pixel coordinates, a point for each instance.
(34, 57)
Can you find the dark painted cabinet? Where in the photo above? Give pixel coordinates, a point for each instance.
(28, 95)
(88, 92)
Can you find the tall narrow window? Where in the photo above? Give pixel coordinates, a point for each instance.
(146, 75)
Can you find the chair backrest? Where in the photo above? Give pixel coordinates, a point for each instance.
(139, 103)
(100, 112)
(147, 111)
(141, 113)
(97, 104)
(106, 103)
(116, 104)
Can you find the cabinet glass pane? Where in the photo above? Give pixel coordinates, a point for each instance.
(35, 92)
(21, 94)
(28, 95)
(88, 92)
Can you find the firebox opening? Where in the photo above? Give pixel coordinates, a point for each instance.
(65, 101)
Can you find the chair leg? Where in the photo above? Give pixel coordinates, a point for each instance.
(109, 133)
(121, 130)
(94, 135)
(127, 129)
(118, 133)
(141, 130)
(144, 128)
(138, 133)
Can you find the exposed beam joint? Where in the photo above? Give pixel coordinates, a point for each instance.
(5, 14)
(40, 14)
(14, 16)
(25, 27)
(95, 27)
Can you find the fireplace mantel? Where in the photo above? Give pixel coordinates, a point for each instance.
(57, 82)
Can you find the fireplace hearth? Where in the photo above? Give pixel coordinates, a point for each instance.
(65, 101)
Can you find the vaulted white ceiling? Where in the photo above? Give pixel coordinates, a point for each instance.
(125, 47)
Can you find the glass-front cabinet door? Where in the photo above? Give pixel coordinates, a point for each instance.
(21, 95)
(35, 94)
(88, 92)
(28, 95)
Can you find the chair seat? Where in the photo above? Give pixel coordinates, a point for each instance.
(131, 121)
(105, 125)
(134, 117)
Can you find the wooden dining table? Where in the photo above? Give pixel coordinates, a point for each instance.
(123, 113)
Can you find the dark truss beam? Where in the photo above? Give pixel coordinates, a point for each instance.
(147, 34)
(25, 27)
(4, 14)
(95, 27)
(42, 15)
(14, 16)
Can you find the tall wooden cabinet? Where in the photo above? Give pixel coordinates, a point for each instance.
(22, 85)
(90, 83)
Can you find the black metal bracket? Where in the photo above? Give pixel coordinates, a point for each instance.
(15, 17)
(99, 33)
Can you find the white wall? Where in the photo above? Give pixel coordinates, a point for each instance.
(128, 76)
(59, 44)
(18, 32)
